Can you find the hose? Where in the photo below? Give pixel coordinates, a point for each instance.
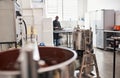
(25, 27)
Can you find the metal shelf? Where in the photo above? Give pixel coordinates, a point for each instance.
(110, 39)
(108, 34)
(117, 49)
(111, 31)
(110, 48)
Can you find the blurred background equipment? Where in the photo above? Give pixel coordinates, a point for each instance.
(82, 43)
(7, 23)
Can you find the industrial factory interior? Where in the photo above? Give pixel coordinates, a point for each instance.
(59, 38)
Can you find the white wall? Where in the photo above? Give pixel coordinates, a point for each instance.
(34, 16)
(25, 3)
(103, 4)
(82, 8)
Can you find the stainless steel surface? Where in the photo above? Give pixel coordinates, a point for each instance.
(104, 21)
(68, 33)
(60, 64)
(100, 20)
(28, 66)
(82, 38)
(78, 39)
(63, 72)
(64, 66)
(100, 38)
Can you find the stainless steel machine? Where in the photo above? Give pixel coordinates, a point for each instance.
(59, 63)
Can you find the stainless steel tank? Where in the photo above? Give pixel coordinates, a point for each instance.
(59, 63)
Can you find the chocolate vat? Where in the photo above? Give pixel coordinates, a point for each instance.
(59, 60)
(59, 63)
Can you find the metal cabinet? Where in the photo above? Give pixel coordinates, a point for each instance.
(100, 39)
(7, 22)
(104, 21)
(109, 41)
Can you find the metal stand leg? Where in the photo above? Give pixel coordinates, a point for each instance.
(114, 58)
(85, 65)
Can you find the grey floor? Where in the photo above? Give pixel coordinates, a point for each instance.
(105, 63)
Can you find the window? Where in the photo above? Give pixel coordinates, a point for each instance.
(65, 9)
(40, 1)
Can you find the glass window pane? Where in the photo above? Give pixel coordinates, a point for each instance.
(66, 10)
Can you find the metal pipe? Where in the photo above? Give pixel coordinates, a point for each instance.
(28, 64)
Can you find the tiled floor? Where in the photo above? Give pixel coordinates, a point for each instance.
(105, 63)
